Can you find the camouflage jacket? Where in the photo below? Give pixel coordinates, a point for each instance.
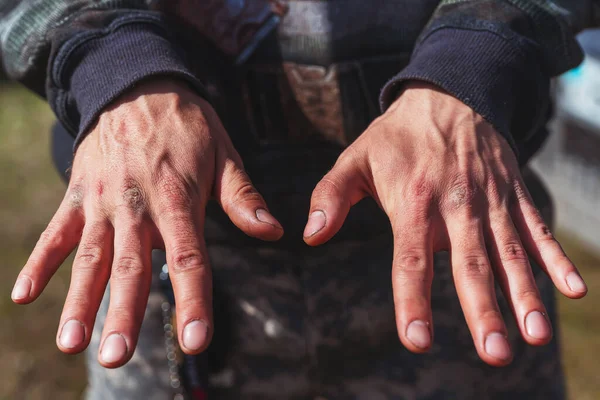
(49, 45)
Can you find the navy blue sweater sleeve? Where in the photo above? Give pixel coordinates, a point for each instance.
(498, 78)
(496, 56)
(94, 67)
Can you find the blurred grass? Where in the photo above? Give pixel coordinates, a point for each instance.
(580, 326)
(30, 190)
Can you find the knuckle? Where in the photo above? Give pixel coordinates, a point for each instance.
(411, 269)
(99, 188)
(126, 266)
(133, 196)
(53, 237)
(421, 189)
(77, 300)
(328, 187)
(412, 262)
(245, 192)
(124, 315)
(513, 251)
(476, 267)
(529, 295)
(90, 256)
(348, 156)
(75, 196)
(191, 303)
(174, 192)
(490, 315)
(461, 193)
(543, 233)
(187, 260)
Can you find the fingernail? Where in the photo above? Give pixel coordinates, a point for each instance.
(418, 334)
(575, 282)
(537, 325)
(22, 289)
(114, 349)
(264, 216)
(497, 346)
(316, 222)
(194, 335)
(72, 334)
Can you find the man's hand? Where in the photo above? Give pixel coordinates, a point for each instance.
(448, 181)
(141, 180)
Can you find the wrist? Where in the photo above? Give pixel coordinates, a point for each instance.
(427, 100)
(92, 69)
(158, 89)
(152, 108)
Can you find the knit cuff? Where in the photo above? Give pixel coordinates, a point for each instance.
(499, 79)
(94, 68)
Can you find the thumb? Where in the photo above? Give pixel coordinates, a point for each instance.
(331, 200)
(241, 201)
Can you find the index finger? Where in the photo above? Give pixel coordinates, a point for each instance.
(57, 241)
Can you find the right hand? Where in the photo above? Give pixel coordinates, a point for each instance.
(448, 181)
(141, 180)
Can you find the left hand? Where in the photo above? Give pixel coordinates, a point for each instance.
(141, 180)
(448, 181)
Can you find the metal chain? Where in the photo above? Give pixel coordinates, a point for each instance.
(171, 347)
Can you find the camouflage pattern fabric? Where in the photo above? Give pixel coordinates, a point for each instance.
(146, 375)
(293, 322)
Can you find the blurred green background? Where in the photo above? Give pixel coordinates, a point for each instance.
(31, 367)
